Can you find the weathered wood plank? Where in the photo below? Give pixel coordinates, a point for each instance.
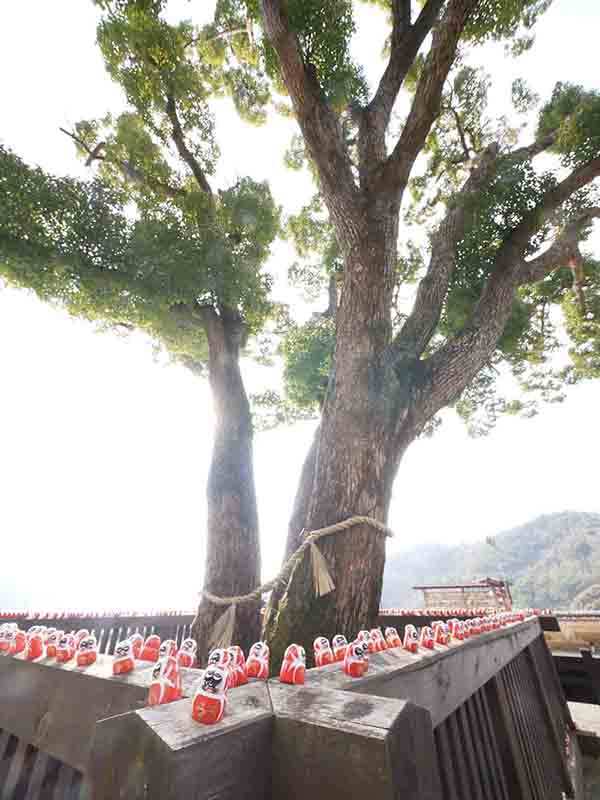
(354, 746)
(38, 774)
(15, 772)
(482, 758)
(162, 753)
(444, 680)
(55, 709)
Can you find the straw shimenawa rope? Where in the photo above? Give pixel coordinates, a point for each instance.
(295, 558)
(222, 631)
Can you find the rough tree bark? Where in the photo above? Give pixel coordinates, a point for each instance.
(232, 563)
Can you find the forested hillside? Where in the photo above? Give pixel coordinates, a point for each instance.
(549, 561)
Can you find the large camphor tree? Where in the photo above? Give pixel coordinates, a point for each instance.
(501, 257)
(152, 245)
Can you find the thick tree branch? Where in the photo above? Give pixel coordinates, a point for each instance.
(126, 167)
(461, 134)
(535, 148)
(405, 44)
(562, 252)
(183, 150)
(424, 317)
(428, 95)
(455, 364)
(320, 125)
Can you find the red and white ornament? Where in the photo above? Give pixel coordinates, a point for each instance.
(210, 697)
(65, 649)
(151, 648)
(293, 668)
(257, 663)
(411, 639)
(426, 638)
(356, 660)
(392, 637)
(123, 661)
(137, 644)
(87, 651)
(165, 686)
(322, 652)
(186, 656)
(339, 644)
(238, 665)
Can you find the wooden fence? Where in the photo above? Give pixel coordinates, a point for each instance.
(481, 720)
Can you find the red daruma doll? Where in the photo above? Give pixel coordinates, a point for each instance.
(123, 661)
(65, 649)
(222, 658)
(186, 657)
(17, 642)
(80, 635)
(293, 668)
(378, 640)
(137, 643)
(322, 652)
(167, 648)
(456, 629)
(411, 639)
(426, 638)
(87, 651)
(52, 643)
(365, 638)
(166, 682)
(340, 645)
(440, 635)
(356, 660)
(238, 665)
(208, 705)
(150, 648)
(257, 663)
(392, 638)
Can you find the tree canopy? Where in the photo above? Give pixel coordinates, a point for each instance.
(148, 244)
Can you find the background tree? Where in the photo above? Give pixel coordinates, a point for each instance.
(503, 251)
(152, 245)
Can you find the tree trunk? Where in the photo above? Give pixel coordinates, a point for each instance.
(232, 565)
(357, 453)
(297, 521)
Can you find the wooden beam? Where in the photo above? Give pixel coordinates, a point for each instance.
(328, 744)
(161, 753)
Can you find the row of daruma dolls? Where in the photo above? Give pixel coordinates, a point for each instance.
(227, 667)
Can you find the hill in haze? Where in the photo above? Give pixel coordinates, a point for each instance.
(549, 561)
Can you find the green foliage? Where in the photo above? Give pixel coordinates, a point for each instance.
(549, 561)
(144, 245)
(514, 192)
(324, 29)
(523, 98)
(504, 19)
(308, 353)
(73, 243)
(575, 114)
(584, 328)
(462, 130)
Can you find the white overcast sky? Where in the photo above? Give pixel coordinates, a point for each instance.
(104, 452)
